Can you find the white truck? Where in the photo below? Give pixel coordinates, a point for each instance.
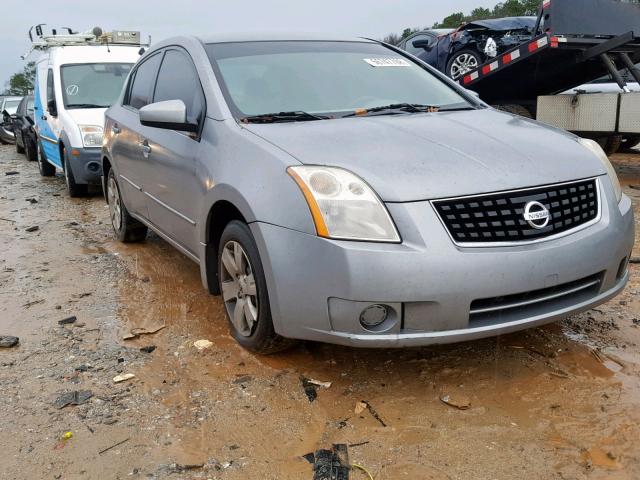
(78, 76)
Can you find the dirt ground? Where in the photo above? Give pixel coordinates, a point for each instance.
(560, 402)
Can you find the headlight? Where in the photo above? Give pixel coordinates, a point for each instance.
(91, 135)
(343, 206)
(611, 172)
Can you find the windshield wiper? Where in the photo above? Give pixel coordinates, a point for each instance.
(294, 116)
(395, 108)
(87, 105)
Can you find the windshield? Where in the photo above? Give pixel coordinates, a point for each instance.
(11, 105)
(323, 78)
(92, 85)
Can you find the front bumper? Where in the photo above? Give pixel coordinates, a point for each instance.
(318, 287)
(7, 135)
(86, 165)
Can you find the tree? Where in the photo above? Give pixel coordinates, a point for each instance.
(453, 21)
(480, 13)
(22, 83)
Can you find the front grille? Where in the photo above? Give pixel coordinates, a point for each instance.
(499, 217)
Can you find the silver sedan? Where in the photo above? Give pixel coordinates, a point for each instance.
(339, 190)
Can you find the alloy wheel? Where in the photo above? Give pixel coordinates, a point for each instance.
(115, 205)
(462, 64)
(239, 290)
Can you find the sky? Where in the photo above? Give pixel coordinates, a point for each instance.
(162, 18)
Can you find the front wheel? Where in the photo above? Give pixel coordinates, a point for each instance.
(126, 228)
(46, 169)
(75, 190)
(244, 291)
(463, 62)
(31, 151)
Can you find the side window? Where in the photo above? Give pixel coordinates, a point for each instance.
(142, 81)
(178, 80)
(418, 38)
(51, 93)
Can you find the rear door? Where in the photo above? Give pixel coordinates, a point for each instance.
(47, 121)
(172, 186)
(127, 131)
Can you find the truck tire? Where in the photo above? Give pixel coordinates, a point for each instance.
(20, 149)
(629, 142)
(610, 144)
(515, 109)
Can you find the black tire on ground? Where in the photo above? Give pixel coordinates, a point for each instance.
(46, 169)
(31, 151)
(126, 228)
(610, 144)
(75, 189)
(629, 142)
(461, 62)
(20, 149)
(263, 339)
(516, 110)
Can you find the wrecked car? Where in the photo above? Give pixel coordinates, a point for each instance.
(466, 48)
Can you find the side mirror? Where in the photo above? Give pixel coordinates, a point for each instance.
(52, 108)
(170, 114)
(421, 44)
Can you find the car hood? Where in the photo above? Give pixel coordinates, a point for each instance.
(427, 156)
(87, 116)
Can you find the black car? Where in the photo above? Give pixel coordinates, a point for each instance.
(23, 124)
(460, 51)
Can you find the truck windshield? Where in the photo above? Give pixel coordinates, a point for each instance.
(324, 79)
(92, 85)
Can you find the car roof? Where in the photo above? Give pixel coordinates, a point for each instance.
(277, 36)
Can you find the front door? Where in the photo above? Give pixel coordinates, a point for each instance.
(172, 185)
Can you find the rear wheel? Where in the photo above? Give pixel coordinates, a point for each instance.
(31, 151)
(20, 149)
(244, 291)
(462, 62)
(610, 144)
(126, 228)
(74, 189)
(46, 169)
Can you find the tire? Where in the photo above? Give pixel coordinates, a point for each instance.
(462, 62)
(20, 149)
(31, 151)
(515, 109)
(629, 142)
(126, 228)
(244, 292)
(610, 144)
(46, 169)
(75, 190)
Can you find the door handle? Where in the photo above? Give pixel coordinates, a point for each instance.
(115, 129)
(146, 149)
(43, 117)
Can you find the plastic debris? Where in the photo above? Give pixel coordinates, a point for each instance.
(330, 464)
(68, 320)
(33, 228)
(123, 377)
(461, 402)
(318, 383)
(8, 341)
(136, 332)
(67, 435)
(148, 349)
(202, 344)
(76, 397)
(363, 405)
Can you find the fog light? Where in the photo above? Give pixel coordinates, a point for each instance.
(93, 167)
(373, 315)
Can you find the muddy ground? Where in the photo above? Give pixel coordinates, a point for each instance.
(560, 402)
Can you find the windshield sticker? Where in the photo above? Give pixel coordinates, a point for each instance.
(387, 62)
(73, 90)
